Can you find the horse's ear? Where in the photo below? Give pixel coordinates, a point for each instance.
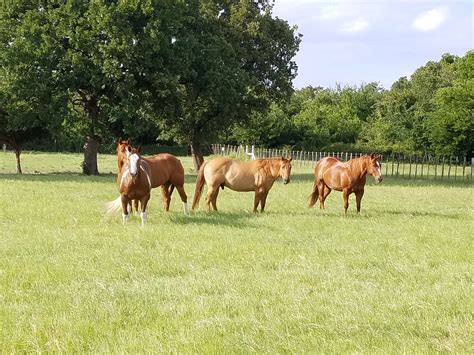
(372, 156)
(119, 140)
(378, 157)
(129, 148)
(139, 149)
(291, 158)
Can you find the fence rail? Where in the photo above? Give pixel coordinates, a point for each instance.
(402, 165)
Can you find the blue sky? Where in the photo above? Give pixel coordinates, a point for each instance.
(353, 41)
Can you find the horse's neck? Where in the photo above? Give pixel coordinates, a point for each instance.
(272, 169)
(358, 168)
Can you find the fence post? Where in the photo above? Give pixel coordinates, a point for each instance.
(449, 167)
(464, 167)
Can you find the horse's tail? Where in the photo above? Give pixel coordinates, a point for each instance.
(315, 194)
(200, 180)
(113, 206)
(313, 198)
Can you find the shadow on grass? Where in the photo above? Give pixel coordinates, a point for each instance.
(59, 176)
(232, 219)
(369, 214)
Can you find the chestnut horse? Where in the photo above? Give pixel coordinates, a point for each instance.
(123, 148)
(349, 177)
(135, 184)
(256, 175)
(166, 172)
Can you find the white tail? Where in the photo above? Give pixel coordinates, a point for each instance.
(113, 206)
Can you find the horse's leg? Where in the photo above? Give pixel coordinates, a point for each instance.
(345, 195)
(166, 196)
(184, 198)
(359, 195)
(214, 198)
(135, 203)
(259, 191)
(321, 187)
(144, 203)
(125, 213)
(211, 197)
(263, 200)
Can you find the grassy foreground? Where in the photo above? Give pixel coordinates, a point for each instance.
(397, 278)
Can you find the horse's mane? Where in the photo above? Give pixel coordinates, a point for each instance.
(265, 165)
(356, 162)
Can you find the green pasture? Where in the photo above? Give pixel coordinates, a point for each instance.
(397, 278)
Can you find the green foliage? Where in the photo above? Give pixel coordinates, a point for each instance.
(451, 123)
(430, 112)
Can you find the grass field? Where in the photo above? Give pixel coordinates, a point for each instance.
(398, 278)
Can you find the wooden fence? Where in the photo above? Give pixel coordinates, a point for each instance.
(402, 165)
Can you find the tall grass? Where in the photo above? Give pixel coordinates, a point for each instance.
(397, 278)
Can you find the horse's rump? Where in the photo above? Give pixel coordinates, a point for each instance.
(165, 168)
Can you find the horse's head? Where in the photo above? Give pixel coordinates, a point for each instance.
(133, 158)
(374, 168)
(285, 169)
(123, 150)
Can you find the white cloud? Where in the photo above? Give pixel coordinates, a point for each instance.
(355, 26)
(430, 20)
(330, 12)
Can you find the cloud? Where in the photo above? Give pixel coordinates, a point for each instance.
(355, 26)
(330, 12)
(430, 20)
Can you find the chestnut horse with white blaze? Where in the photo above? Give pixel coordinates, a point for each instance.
(166, 172)
(243, 176)
(123, 149)
(349, 177)
(134, 184)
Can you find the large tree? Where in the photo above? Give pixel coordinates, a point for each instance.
(30, 104)
(238, 60)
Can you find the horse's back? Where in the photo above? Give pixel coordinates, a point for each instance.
(166, 167)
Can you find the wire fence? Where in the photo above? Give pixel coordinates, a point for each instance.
(393, 164)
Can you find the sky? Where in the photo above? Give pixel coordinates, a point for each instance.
(350, 42)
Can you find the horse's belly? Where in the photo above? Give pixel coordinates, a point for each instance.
(240, 182)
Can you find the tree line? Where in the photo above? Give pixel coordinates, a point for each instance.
(431, 112)
(199, 72)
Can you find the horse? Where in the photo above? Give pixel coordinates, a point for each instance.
(135, 184)
(349, 177)
(256, 175)
(166, 172)
(123, 148)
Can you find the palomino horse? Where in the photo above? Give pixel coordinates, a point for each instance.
(166, 172)
(135, 184)
(257, 175)
(332, 174)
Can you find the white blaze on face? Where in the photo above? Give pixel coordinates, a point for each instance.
(377, 168)
(133, 163)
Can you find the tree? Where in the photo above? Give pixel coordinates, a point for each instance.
(238, 62)
(29, 107)
(451, 123)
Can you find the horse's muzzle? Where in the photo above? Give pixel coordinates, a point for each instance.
(378, 179)
(285, 181)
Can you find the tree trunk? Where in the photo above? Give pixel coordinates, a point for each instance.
(197, 155)
(18, 163)
(89, 165)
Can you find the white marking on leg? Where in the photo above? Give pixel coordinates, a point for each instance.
(143, 217)
(124, 218)
(185, 208)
